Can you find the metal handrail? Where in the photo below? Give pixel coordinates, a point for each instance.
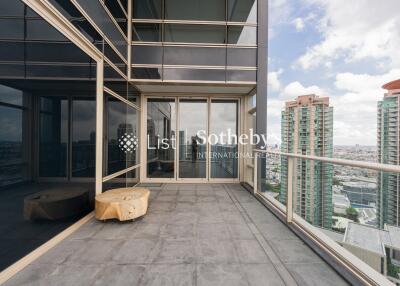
(359, 268)
(344, 162)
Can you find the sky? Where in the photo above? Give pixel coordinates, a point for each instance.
(338, 48)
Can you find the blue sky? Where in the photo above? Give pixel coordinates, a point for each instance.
(338, 48)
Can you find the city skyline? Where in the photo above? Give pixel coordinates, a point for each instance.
(318, 46)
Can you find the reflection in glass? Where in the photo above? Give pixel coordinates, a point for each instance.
(161, 124)
(146, 32)
(242, 11)
(242, 35)
(53, 139)
(241, 75)
(83, 137)
(146, 73)
(202, 10)
(224, 154)
(245, 57)
(147, 54)
(149, 9)
(194, 56)
(194, 74)
(121, 135)
(192, 151)
(194, 33)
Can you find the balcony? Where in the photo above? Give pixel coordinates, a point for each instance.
(197, 234)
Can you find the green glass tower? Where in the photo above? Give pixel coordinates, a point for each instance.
(388, 201)
(307, 128)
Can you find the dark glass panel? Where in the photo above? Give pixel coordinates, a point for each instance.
(83, 137)
(194, 56)
(38, 29)
(12, 29)
(146, 73)
(161, 130)
(12, 96)
(110, 73)
(195, 33)
(242, 35)
(53, 137)
(129, 179)
(150, 9)
(245, 57)
(133, 94)
(79, 21)
(11, 8)
(11, 51)
(114, 57)
(242, 11)
(115, 9)
(194, 74)
(192, 151)
(59, 71)
(202, 10)
(98, 14)
(14, 122)
(146, 32)
(121, 127)
(55, 52)
(224, 156)
(147, 54)
(241, 75)
(12, 70)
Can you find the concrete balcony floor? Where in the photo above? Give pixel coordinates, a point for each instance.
(193, 234)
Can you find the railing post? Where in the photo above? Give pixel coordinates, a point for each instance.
(289, 196)
(255, 173)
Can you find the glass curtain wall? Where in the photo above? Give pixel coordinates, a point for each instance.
(46, 117)
(214, 40)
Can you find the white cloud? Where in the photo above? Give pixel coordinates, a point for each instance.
(355, 110)
(273, 80)
(299, 24)
(295, 89)
(278, 13)
(355, 30)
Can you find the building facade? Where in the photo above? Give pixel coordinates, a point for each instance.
(111, 93)
(307, 128)
(388, 199)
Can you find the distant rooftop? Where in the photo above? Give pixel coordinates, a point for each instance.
(392, 85)
(371, 238)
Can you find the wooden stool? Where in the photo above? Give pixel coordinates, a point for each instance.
(123, 204)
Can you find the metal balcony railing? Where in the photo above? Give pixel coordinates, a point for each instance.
(315, 235)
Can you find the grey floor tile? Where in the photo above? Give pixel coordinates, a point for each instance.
(136, 251)
(170, 275)
(120, 275)
(176, 251)
(87, 230)
(240, 231)
(216, 251)
(220, 275)
(115, 230)
(275, 230)
(94, 252)
(315, 274)
(212, 231)
(262, 275)
(183, 217)
(61, 252)
(147, 230)
(178, 231)
(250, 251)
(32, 275)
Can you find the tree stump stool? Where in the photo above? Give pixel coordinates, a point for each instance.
(122, 204)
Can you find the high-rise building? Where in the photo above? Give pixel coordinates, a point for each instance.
(388, 199)
(307, 129)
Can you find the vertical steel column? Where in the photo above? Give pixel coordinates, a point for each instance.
(262, 71)
(99, 125)
(289, 197)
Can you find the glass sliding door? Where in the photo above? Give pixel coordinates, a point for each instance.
(224, 152)
(161, 134)
(192, 150)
